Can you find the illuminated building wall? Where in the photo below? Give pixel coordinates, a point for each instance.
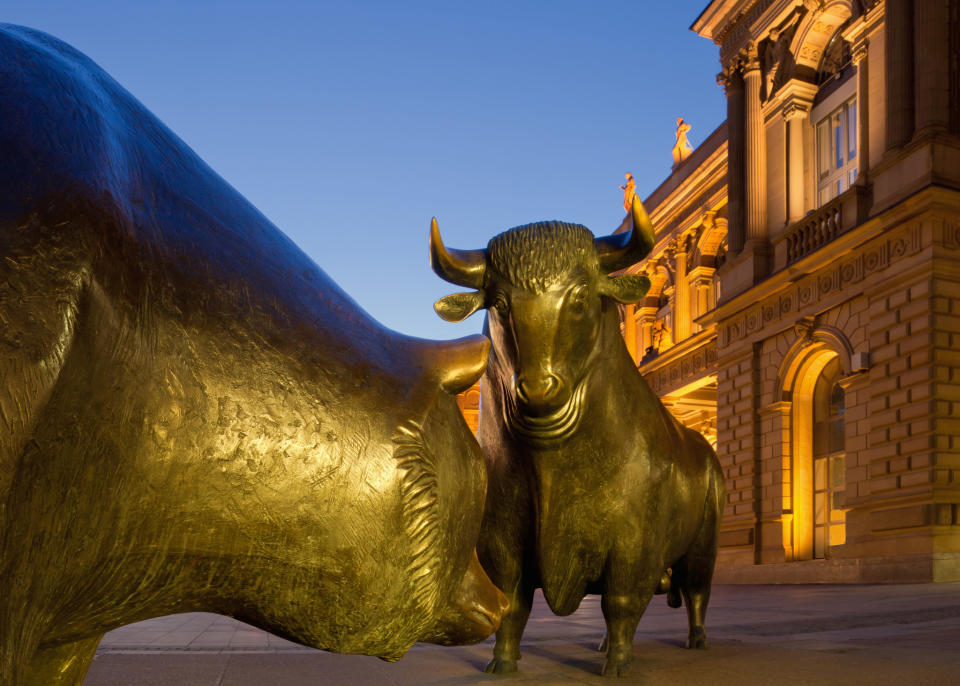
(804, 312)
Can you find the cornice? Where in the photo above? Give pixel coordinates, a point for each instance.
(812, 277)
(714, 18)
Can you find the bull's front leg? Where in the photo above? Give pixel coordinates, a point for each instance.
(506, 651)
(622, 612)
(501, 552)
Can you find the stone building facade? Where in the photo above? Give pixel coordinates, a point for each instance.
(804, 310)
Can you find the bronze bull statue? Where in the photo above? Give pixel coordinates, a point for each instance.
(594, 487)
(193, 416)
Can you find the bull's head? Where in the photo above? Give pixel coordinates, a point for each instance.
(546, 287)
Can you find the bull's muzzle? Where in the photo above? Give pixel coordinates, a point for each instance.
(475, 612)
(541, 394)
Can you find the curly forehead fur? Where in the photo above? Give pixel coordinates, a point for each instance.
(538, 256)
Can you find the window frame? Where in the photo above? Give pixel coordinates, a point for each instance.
(844, 100)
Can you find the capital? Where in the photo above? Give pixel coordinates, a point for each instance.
(795, 110)
(750, 57)
(709, 219)
(859, 51)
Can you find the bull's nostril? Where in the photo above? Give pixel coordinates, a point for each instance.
(552, 386)
(522, 391)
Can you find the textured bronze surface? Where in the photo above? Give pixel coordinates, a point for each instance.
(594, 487)
(193, 416)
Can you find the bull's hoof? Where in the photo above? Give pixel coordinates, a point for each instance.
(616, 667)
(499, 665)
(602, 648)
(697, 639)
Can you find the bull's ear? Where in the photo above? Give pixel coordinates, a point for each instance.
(626, 288)
(458, 306)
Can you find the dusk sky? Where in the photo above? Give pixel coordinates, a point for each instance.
(350, 124)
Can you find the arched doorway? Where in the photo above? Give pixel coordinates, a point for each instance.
(813, 378)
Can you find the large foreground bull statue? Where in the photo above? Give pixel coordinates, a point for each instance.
(193, 416)
(593, 486)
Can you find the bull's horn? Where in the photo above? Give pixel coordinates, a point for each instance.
(458, 363)
(620, 250)
(462, 267)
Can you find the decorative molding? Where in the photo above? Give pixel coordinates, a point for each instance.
(733, 32)
(792, 303)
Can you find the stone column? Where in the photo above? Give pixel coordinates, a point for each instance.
(898, 64)
(797, 114)
(646, 316)
(755, 148)
(931, 65)
(630, 332)
(863, 110)
(732, 81)
(681, 304)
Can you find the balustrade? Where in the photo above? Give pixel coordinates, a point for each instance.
(815, 230)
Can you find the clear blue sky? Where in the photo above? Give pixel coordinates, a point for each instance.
(349, 124)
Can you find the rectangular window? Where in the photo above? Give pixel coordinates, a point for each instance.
(837, 151)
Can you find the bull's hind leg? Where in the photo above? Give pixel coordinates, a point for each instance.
(63, 665)
(693, 574)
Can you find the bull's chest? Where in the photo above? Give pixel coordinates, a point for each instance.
(573, 522)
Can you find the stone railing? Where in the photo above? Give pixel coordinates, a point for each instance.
(815, 230)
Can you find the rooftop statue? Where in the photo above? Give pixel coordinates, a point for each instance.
(629, 190)
(682, 148)
(193, 416)
(594, 487)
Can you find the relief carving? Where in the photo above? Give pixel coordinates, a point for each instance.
(833, 278)
(951, 236)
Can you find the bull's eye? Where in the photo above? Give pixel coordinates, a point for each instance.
(501, 305)
(578, 299)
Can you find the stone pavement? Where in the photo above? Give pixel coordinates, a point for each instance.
(849, 635)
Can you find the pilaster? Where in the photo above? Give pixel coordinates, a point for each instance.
(732, 81)
(899, 66)
(931, 23)
(755, 147)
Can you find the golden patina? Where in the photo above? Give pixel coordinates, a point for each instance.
(193, 416)
(593, 486)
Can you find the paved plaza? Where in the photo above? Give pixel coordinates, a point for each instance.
(849, 635)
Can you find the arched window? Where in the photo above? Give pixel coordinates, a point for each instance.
(829, 461)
